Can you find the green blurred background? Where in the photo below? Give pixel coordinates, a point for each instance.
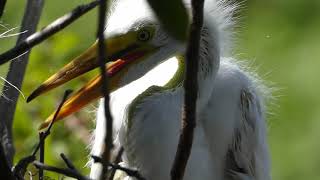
(280, 37)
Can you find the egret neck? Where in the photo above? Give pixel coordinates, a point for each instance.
(175, 82)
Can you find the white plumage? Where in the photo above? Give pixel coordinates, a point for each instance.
(230, 138)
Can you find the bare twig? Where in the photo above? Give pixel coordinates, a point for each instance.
(2, 6)
(16, 74)
(4, 167)
(46, 32)
(70, 164)
(42, 145)
(20, 168)
(116, 160)
(65, 171)
(108, 142)
(129, 172)
(67, 161)
(190, 96)
(48, 130)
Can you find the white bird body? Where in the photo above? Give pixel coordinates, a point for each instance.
(230, 137)
(146, 103)
(150, 144)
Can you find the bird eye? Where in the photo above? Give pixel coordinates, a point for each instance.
(144, 35)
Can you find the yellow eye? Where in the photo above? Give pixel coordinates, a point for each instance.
(144, 35)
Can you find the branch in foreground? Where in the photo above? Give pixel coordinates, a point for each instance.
(65, 171)
(2, 6)
(108, 140)
(116, 160)
(21, 167)
(15, 76)
(48, 31)
(42, 146)
(129, 172)
(67, 161)
(191, 90)
(48, 130)
(4, 167)
(71, 171)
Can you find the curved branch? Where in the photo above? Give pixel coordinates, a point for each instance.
(188, 123)
(4, 167)
(129, 172)
(108, 140)
(48, 31)
(21, 167)
(65, 171)
(16, 74)
(2, 6)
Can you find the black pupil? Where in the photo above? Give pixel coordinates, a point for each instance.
(144, 35)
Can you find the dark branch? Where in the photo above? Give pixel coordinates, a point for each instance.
(48, 130)
(190, 96)
(15, 76)
(46, 32)
(22, 165)
(129, 172)
(4, 166)
(20, 168)
(108, 144)
(65, 171)
(42, 146)
(116, 160)
(71, 171)
(67, 161)
(2, 6)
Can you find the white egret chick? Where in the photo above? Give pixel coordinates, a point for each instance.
(146, 72)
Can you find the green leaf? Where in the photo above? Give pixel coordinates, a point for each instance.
(173, 16)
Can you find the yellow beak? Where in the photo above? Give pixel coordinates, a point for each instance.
(123, 52)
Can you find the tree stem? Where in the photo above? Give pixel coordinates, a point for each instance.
(9, 98)
(188, 122)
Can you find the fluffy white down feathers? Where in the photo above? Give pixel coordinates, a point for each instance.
(230, 139)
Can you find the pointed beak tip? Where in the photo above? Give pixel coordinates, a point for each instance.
(30, 98)
(43, 126)
(36, 93)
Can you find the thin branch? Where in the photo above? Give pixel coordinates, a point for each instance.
(22, 165)
(42, 146)
(71, 171)
(16, 74)
(129, 172)
(65, 171)
(116, 160)
(188, 123)
(108, 140)
(48, 130)
(4, 166)
(67, 161)
(20, 168)
(46, 32)
(2, 6)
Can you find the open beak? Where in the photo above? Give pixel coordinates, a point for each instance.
(123, 51)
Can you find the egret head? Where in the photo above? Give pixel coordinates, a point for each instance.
(135, 43)
(139, 37)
